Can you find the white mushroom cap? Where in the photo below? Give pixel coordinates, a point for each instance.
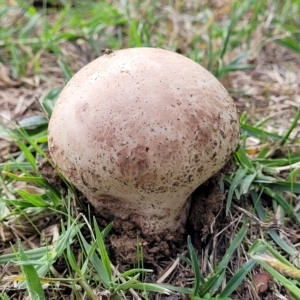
(138, 130)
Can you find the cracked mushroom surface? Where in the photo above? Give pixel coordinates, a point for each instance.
(138, 130)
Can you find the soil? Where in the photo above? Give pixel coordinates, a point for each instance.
(206, 206)
(50, 174)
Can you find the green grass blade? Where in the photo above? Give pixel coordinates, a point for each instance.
(133, 271)
(229, 252)
(151, 287)
(106, 230)
(229, 30)
(178, 289)
(4, 297)
(95, 260)
(281, 243)
(72, 261)
(237, 279)
(263, 246)
(281, 201)
(65, 69)
(31, 159)
(290, 43)
(196, 268)
(127, 284)
(244, 160)
(32, 254)
(260, 134)
(34, 199)
(48, 100)
(274, 235)
(12, 165)
(292, 126)
(34, 286)
(28, 28)
(39, 180)
(286, 186)
(33, 122)
(102, 250)
(206, 288)
(246, 183)
(292, 176)
(236, 181)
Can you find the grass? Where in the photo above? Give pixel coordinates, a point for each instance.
(49, 248)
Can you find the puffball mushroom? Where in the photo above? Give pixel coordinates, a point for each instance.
(138, 130)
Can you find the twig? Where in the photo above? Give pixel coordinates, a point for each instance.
(257, 220)
(168, 271)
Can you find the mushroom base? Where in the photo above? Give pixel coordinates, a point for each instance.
(147, 219)
(205, 217)
(125, 241)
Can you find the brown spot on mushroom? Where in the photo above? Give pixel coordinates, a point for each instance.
(133, 162)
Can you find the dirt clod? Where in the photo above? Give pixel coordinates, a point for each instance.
(206, 205)
(261, 281)
(126, 239)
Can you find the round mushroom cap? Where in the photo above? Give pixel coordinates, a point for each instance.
(138, 130)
